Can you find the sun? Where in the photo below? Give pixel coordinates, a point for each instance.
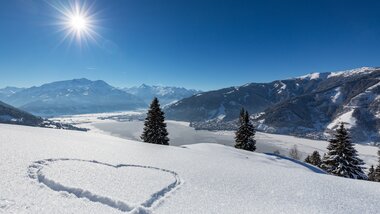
(76, 19)
(78, 23)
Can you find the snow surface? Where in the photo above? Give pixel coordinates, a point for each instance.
(310, 76)
(336, 98)
(60, 171)
(346, 118)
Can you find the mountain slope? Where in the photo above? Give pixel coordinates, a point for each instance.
(165, 94)
(226, 103)
(311, 105)
(12, 115)
(77, 172)
(351, 97)
(73, 97)
(8, 91)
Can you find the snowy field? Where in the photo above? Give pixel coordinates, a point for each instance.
(59, 171)
(181, 134)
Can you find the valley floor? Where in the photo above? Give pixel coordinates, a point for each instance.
(180, 133)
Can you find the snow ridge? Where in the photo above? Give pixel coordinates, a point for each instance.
(35, 172)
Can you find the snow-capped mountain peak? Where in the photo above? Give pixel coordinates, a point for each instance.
(310, 76)
(166, 94)
(344, 73)
(356, 71)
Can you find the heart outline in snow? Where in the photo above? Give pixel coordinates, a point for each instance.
(34, 172)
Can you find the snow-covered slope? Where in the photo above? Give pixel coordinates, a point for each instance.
(12, 115)
(58, 171)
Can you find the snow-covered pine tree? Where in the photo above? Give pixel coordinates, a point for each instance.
(155, 126)
(251, 143)
(342, 158)
(314, 159)
(377, 170)
(371, 174)
(245, 135)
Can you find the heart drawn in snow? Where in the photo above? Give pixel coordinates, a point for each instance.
(125, 187)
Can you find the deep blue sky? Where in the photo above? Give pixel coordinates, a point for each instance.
(203, 44)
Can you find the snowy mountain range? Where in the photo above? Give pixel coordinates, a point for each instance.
(79, 96)
(165, 94)
(310, 105)
(72, 97)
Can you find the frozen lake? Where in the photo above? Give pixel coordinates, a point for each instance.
(122, 124)
(181, 134)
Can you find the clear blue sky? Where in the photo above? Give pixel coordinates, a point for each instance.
(203, 44)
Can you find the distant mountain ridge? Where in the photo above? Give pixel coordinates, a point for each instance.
(310, 105)
(73, 97)
(166, 94)
(8, 91)
(80, 96)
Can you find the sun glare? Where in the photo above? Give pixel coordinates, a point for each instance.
(76, 20)
(78, 23)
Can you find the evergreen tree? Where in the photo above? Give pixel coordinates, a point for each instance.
(245, 135)
(307, 159)
(377, 170)
(342, 158)
(314, 159)
(155, 126)
(371, 174)
(239, 134)
(241, 116)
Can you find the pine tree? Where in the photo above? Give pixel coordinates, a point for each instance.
(377, 170)
(239, 134)
(371, 174)
(307, 159)
(241, 116)
(342, 158)
(155, 126)
(245, 135)
(314, 159)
